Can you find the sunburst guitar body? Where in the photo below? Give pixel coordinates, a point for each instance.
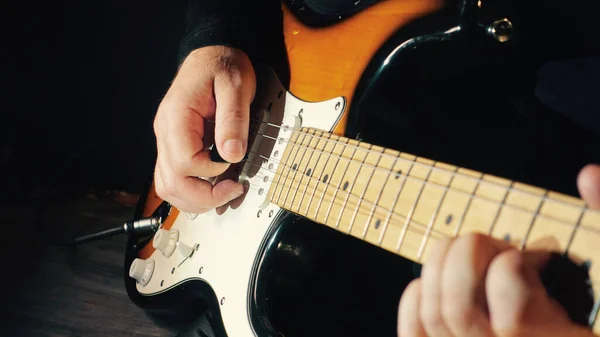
(337, 217)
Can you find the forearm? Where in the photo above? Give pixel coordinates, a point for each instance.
(252, 26)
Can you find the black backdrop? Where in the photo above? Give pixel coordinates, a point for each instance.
(82, 81)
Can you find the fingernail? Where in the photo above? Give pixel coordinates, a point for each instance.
(233, 146)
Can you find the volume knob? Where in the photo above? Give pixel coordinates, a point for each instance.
(141, 271)
(165, 241)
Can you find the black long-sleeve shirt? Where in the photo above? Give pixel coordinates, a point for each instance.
(255, 27)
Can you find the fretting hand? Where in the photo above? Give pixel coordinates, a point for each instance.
(476, 286)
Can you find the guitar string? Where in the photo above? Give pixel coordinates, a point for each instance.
(470, 195)
(415, 227)
(424, 165)
(393, 212)
(337, 204)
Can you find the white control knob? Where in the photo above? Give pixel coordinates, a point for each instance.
(165, 241)
(184, 250)
(141, 271)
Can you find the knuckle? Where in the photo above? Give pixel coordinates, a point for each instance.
(160, 190)
(472, 241)
(413, 289)
(432, 320)
(181, 165)
(458, 316)
(234, 116)
(504, 263)
(169, 187)
(234, 75)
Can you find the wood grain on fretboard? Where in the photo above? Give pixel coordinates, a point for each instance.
(403, 203)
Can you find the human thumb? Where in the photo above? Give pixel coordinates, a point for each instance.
(234, 92)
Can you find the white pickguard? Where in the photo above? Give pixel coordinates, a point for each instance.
(229, 243)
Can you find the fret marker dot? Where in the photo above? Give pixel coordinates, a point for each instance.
(398, 174)
(448, 219)
(308, 172)
(345, 185)
(325, 178)
(377, 223)
(294, 167)
(506, 238)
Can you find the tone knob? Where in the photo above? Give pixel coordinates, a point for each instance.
(165, 241)
(141, 271)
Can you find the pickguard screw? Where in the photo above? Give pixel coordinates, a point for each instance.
(222, 300)
(338, 105)
(200, 270)
(270, 213)
(259, 214)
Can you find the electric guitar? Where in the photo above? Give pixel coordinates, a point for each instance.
(302, 165)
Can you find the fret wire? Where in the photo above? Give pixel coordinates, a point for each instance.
(471, 196)
(302, 177)
(331, 179)
(458, 173)
(362, 196)
(320, 175)
(537, 211)
(413, 221)
(412, 210)
(285, 165)
(575, 228)
(376, 203)
(297, 169)
(391, 211)
(338, 186)
(467, 206)
(433, 218)
(500, 207)
(595, 313)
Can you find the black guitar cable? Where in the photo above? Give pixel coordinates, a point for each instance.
(140, 227)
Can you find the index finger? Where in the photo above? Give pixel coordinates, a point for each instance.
(186, 149)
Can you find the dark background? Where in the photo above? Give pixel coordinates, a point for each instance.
(82, 82)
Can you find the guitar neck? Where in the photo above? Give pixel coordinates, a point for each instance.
(403, 203)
